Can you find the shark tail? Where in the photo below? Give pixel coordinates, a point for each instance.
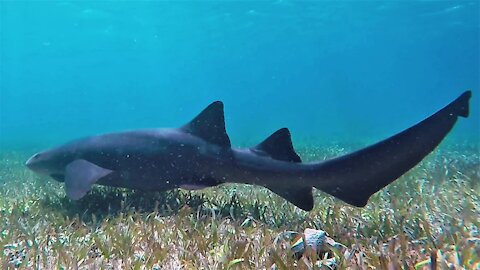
(355, 177)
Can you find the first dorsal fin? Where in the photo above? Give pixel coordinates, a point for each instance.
(279, 146)
(210, 125)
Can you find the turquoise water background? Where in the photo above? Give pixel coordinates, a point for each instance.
(329, 71)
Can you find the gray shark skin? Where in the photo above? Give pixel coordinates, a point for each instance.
(199, 155)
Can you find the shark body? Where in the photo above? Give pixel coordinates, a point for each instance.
(199, 155)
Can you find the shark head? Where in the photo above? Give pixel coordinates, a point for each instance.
(64, 165)
(50, 163)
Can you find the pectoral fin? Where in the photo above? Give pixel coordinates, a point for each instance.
(80, 175)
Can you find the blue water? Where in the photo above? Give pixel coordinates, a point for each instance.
(341, 71)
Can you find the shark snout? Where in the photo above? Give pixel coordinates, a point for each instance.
(44, 163)
(37, 163)
(30, 163)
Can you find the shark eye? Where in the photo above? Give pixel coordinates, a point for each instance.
(36, 156)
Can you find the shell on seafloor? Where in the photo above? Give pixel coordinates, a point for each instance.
(318, 242)
(313, 238)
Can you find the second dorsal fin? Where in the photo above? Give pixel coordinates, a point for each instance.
(210, 125)
(278, 146)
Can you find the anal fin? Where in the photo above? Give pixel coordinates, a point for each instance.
(301, 197)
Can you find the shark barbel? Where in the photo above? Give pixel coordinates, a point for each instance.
(199, 155)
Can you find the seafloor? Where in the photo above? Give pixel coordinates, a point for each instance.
(429, 219)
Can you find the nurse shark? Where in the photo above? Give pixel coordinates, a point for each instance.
(199, 155)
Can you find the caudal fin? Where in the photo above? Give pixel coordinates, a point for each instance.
(354, 177)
